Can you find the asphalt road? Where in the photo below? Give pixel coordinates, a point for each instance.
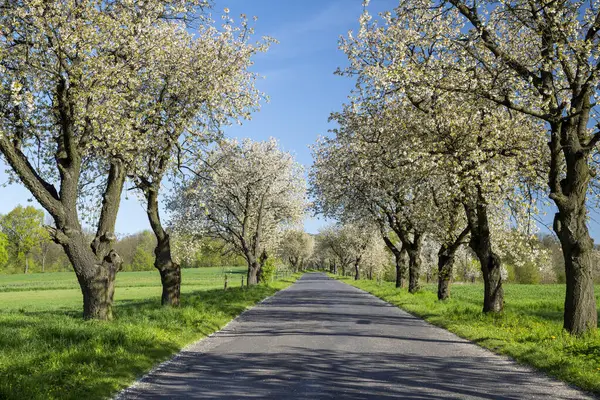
(323, 339)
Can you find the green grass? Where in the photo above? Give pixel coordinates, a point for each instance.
(67, 280)
(48, 352)
(36, 292)
(529, 330)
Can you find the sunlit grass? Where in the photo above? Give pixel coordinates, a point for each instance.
(67, 280)
(48, 352)
(529, 330)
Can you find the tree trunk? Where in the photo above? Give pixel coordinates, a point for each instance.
(26, 263)
(253, 268)
(356, 272)
(570, 223)
(96, 278)
(399, 267)
(412, 246)
(580, 303)
(96, 263)
(400, 256)
(445, 262)
(414, 261)
(580, 313)
(446, 256)
(481, 243)
(414, 269)
(170, 277)
(95, 266)
(98, 292)
(170, 271)
(259, 274)
(493, 300)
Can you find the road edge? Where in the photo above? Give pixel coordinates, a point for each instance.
(129, 390)
(529, 367)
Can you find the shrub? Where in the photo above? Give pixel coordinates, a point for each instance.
(268, 271)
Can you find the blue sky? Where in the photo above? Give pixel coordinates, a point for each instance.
(298, 77)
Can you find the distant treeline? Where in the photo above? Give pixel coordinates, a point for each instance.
(25, 247)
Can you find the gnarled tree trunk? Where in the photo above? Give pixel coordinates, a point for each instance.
(401, 258)
(481, 243)
(446, 256)
(96, 263)
(170, 271)
(96, 279)
(412, 242)
(414, 268)
(580, 313)
(414, 261)
(253, 268)
(400, 267)
(445, 263)
(570, 223)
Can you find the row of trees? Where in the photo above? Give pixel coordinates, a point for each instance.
(94, 94)
(465, 115)
(334, 252)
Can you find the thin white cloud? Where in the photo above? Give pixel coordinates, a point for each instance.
(300, 38)
(336, 14)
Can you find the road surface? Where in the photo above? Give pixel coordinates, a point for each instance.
(324, 339)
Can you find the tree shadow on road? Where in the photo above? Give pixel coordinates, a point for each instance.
(321, 374)
(310, 343)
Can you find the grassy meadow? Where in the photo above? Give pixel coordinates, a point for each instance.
(529, 330)
(48, 352)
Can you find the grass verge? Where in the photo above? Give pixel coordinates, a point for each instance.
(529, 330)
(52, 354)
(67, 280)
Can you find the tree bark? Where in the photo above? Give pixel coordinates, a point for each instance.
(412, 242)
(446, 256)
(481, 243)
(170, 271)
(253, 268)
(170, 278)
(96, 278)
(400, 256)
(414, 266)
(399, 271)
(445, 262)
(356, 272)
(26, 263)
(402, 264)
(98, 292)
(570, 223)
